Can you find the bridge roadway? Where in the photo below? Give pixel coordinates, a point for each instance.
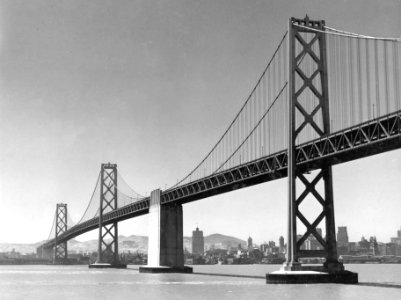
(372, 137)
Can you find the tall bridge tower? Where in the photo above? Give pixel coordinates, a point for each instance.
(300, 116)
(307, 41)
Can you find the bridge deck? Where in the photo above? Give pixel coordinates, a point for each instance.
(365, 139)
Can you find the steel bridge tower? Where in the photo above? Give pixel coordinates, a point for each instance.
(307, 39)
(107, 255)
(60, 249)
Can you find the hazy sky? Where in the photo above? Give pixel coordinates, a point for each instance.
(151, 85)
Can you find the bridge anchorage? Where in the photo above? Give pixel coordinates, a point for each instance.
(107, 254)
(306, 39)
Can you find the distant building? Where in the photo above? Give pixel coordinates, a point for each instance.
(381, 249)
(394, 248)
(311, 243)
(269, 248)
(273, 250)
(198, 242)
(373, 247)
(264, 247)
(250, 244)
(342, 240)
(391, 249)
(397, 240)
(319, 231)
(281, 244)
(342, 236)
(363, 246)
(14, 254)
(353, 247)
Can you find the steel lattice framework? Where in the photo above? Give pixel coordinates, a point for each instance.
(108, 232)
(316, 84)
(60, 248)
(368, 138)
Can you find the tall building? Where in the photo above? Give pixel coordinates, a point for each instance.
(342, 237)
(281, 244)
(198, 242)
(311, 243)
(397, 240)
(281, 241)
(264, 247)
(250, 244)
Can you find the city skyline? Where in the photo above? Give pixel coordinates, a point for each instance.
(198, 240)
(151, 88)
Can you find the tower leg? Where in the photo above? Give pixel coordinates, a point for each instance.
(165, 250)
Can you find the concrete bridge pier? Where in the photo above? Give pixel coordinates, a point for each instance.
(165, 246)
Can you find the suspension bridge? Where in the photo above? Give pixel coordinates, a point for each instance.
(326, 97)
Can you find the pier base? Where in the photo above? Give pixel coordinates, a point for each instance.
(291, 277)
(107, 266)
(162, 269)
(165, 247)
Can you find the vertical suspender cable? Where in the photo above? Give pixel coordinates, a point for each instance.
(269, 116)
(274, 93)
(359, 57)
(368, 80)
(279, 113)
(386, 96)
(336, 66)
(246, 148)
(343, 88)
(260, 138)
(345, 83)
(351, 83)
(331, 55)
(255, 136)
(250, 126)
(396, 76)
(377, 77)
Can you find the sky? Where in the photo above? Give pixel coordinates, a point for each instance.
(151, 86)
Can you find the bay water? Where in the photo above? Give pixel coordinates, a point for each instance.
(207, 282)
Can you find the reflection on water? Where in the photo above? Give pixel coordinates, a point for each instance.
(79, 282)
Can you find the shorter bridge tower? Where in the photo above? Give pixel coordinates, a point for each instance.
(60, 249)
(107, 255)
